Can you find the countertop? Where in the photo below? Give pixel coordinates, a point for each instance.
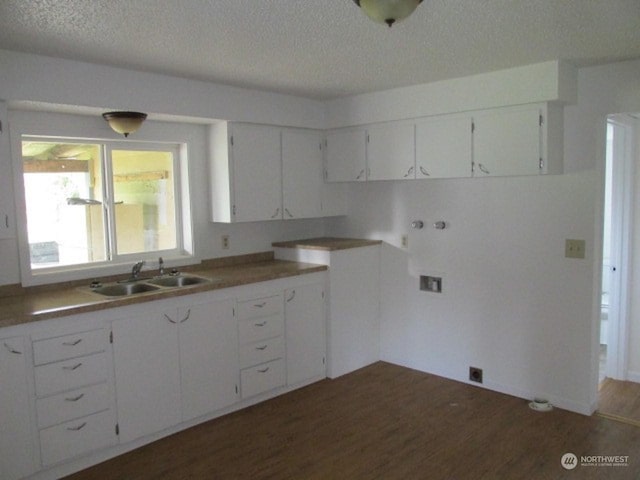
(327, 243)
(41, 303)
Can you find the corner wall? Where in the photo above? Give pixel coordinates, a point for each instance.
(512, 304)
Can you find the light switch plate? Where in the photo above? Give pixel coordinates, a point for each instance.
(574, 248)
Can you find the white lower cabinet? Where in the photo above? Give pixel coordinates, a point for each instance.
(208, 358)
(16, 448)
(74, 397)
(306, 336)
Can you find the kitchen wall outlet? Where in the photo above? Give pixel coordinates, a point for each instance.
(475, 374)
(405, 241)
(225, 242)
(429, 283)
(574, 248)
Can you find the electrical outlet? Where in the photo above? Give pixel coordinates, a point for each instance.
(574, 248)
(405, 241)
(475, 374)
(225, 242)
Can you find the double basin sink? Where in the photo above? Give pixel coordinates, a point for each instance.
(133, 287)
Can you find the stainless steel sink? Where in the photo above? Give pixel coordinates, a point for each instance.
(178, 281)
(124, 289)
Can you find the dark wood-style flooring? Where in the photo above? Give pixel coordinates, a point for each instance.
(619, 399)
(383, 422)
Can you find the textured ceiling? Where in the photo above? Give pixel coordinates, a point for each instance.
(321, 48)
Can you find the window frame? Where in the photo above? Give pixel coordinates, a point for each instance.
(54, 127)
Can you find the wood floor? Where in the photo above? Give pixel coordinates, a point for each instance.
(620, 399)
(384, 422)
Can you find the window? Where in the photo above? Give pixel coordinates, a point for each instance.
(100, 202)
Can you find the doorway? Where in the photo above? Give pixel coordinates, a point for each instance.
(617, 393)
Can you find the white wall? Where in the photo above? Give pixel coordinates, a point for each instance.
(634, 286)
(512, 304)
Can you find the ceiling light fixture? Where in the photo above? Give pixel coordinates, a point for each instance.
(124, 122)
(388, 11)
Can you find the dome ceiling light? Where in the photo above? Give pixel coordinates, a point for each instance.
(388, 11)
(124, 122)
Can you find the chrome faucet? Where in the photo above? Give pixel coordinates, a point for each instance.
(160, 267)
(135, 271)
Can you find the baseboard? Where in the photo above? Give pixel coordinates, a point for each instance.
(633, 376)
(559, 402)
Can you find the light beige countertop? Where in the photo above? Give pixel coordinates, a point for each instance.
(23, 305)
(327, 243)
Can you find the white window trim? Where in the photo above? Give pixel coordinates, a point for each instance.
(95, 129)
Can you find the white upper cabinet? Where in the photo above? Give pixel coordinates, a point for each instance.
(443, 147)
(346, 155)
(507, 141)
(391, 151)
(7, 229)
(246, 182)
(302, 174)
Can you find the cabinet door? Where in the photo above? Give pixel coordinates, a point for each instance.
(302, 180)
(391, 151)
(507, 142)
(305, 333)
(209, 368)
(346, 155)
(257, 171)
(147, 374)
(16, 449)
(6, 179)
(443, 147)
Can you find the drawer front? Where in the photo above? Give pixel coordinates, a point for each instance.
(75, 404)
(78, 437)
(260, 307)
(71, 374)
(261, 352)
(258, 329)
(262, 378)
(69, 346)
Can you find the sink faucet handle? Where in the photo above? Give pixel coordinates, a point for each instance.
(160, 266)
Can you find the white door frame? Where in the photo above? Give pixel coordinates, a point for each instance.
(621, 242)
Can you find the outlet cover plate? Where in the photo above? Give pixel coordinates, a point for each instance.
(574, 248)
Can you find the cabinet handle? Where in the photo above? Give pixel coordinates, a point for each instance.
(259, 305)
(187, 317)
(286, 210)
(261, 324)
(11, 349)
(277, 213)
(424, 172)
(409, 172)
(74, 399)
(169, 318)
(483, 169)
(262, 347)
(264, 370)
(360, 174)
(79, 427)
(6, 221)
(72, 344)
(293, 295)
(73, 367)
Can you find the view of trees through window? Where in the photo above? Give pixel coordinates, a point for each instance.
(92, 202)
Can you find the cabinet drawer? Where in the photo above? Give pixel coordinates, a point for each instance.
(69, 346)
(262, 378)
(258, 329)
(77, 437)
(71, 374)
(260, 307)
(75, 404)
(261, 352)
